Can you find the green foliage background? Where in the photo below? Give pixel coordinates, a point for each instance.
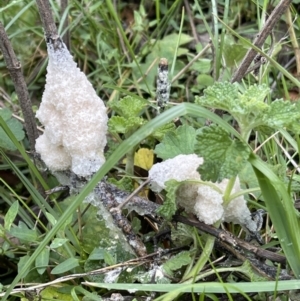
(258, 127)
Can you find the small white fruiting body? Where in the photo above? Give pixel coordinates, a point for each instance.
(74, 117)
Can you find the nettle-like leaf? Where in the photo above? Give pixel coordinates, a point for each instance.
(168, 209)
(180, 141)
(223, 157)
(15, 126)
(129, 106)
(249, 108)
(283, 114)
(222, 95)
(251, 102)
(118, 124)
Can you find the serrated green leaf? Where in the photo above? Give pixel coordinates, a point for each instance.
(283, 114)
(11, 215)
(176, 262)
(181, 141)
(219, 96)
(255, 94)
(223, 157)
(118, 124)
(42, 260)
(65, 266)
(15, 126)
(129, 106)
(182, 234)
(247, 108)
(250, 105)
(247, 269)
(168, 208)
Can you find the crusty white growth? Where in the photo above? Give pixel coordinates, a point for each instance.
(186, 196)
(208, 206)
(180, 168)
(74, 117)
(200, 199)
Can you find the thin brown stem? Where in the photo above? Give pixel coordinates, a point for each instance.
(191, 19)
(228, 238)
(260, 39)
(47, 19)
(14, 68)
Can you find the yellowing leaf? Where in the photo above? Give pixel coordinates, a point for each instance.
(144, 158)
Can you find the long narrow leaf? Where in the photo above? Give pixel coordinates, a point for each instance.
(22, 151)
(282, 212)
(207, 287)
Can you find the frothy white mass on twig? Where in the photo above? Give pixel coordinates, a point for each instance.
(74, 117)
(205, 200)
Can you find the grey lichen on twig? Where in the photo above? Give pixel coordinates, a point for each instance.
(260, 39)
(14, 68)
(163, 84)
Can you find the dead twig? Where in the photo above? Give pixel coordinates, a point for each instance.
(128, 199)
(260, 39)
(14, 68)
(229, 239)
(47, 19)
(111, 197)
(191, 18)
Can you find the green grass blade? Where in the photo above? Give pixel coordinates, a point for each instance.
(282, 212)
(17, 16)
(22, 151)
(208, 287)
